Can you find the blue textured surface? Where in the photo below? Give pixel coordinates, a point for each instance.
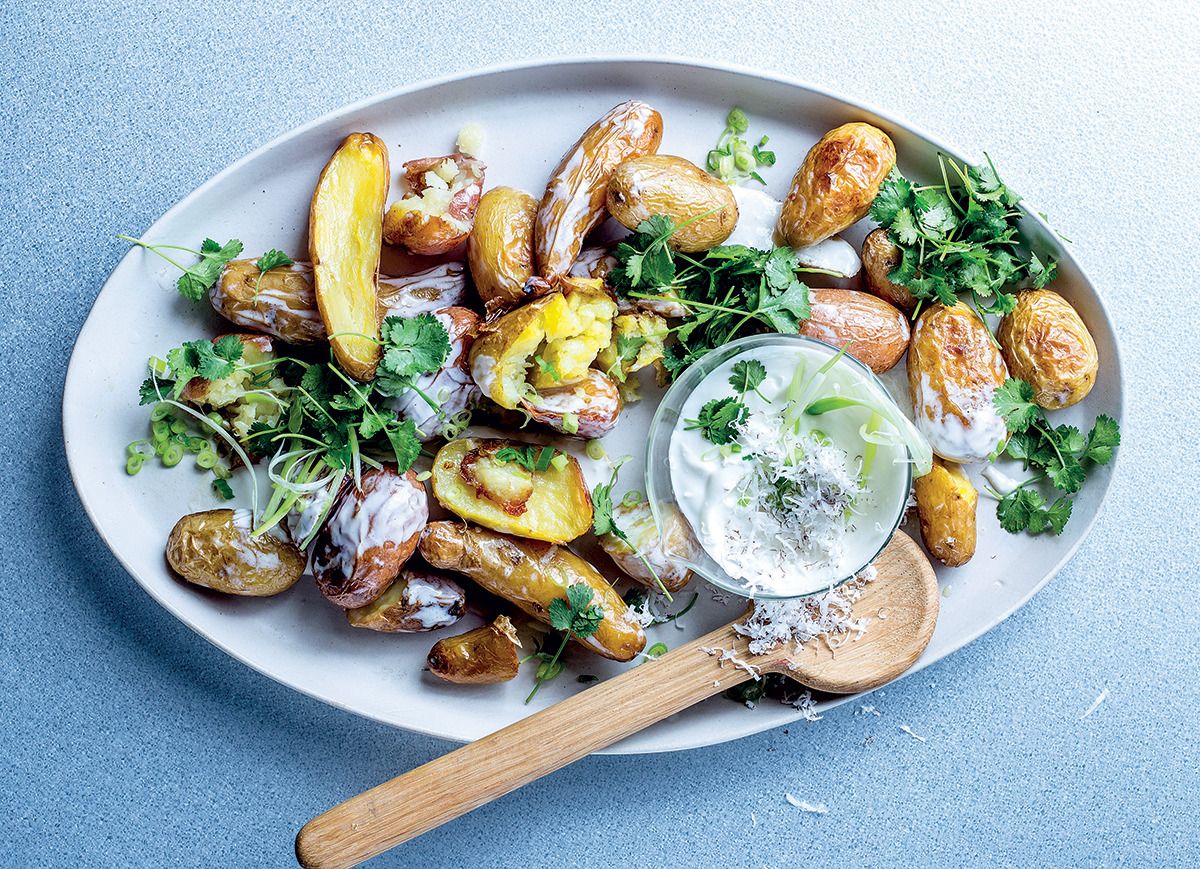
(129, 741)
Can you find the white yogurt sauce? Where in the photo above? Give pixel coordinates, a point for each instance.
(758, 217)
(807, 547)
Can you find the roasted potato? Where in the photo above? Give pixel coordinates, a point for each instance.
(500, 247)
(1046, 343)
(432, 289)
(216, 549)
(681, 190)
(308, 513)
(450, 387)
(371, 531)
(876, 332)
(587, 409)
(836, 183)
(574, 201)
(650, 330)
(473, 481)
(280, 302)
(637, 523)
(954, 370)
(229, 395)
(437, 214)
(946, 503)
(531, 574)
(482, 656)
(545, 343)
(597, 262)
(345, 232)
(417, 600)
(879, 259)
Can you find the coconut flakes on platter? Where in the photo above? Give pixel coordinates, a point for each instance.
(805, 806)
(1095, 704)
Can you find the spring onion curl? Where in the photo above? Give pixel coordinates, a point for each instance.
(296, 474)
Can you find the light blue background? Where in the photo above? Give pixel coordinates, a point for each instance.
(129, 741)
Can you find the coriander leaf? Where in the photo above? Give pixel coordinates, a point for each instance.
(273, 259)
(148, 392)
(1104, 437)
(200, 278)
(1015, 508)
(747, 375)
(1013, 400)
(719, 419)
(413, 346)
(895, 195)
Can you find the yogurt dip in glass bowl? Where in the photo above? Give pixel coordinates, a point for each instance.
(812, 482)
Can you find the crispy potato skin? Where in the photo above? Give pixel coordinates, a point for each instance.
(215, 549)
(345, 238)
(437, 214)
(370, 533)
(877, 333)
(416, 601)
(880, 258)
(500, 247)
(946, 503)
(575, 197)
(483, 656)
(678, 189)
(660, 550)
(531, 574)
(836, 183)
(594, 402)
(552, 505)
(1045, 342)
(953, 371)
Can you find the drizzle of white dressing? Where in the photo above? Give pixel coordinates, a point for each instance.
(451, 386)
(1001, 482)
(946, 431)
(757, 227)
(390, 510)
(433, 600)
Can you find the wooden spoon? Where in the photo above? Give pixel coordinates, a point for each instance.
(901, 603)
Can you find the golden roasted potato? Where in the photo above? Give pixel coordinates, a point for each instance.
(216, 549)
(954, 370)
(836, 183)
(432, 289)
(876, 332)
(500, 247)
(345, 234)
(880, 258)
(483, 656)
(531, 574)
(473, 480)
(640, 326)
(946, 503)
(637, 523)
(437, 214)
(587, 409)
(679, 189)
(370, 533)
(573, 204)
(417, 600)
(547, 342)
(228, 395)
(1045, 342)
(280, 302)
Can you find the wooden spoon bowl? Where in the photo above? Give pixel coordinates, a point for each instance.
(901, 605)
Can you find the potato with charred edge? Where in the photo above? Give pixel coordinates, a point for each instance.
(663, 551)
(345, 237)
(416, 601)
(371, 531)
(574, 201)
(217, 550)
(836, 184)
(587, 409)
(701, 206)
(500, 247)
(531, 574)
(483, 656)
(946, 503)
(871, 330)
(1046, 343)
(545, 343)
(880, 258)
(473, 480)
(437, 214)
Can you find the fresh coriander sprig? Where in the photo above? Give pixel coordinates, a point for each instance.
(196, 280)
(530, 457)
(269, 260)
(1062, 454)
(720, 418)
(575, 616)
(604, 523)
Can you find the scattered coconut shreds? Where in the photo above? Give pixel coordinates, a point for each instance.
(867, 710)
(1095, 704)
(805, 806)
(806, 706)
(908, 730)
(730, 656)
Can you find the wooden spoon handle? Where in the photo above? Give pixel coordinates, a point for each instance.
(454, 784)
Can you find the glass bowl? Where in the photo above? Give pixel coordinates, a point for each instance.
(685, 548)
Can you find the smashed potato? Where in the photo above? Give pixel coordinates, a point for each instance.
(637, 523)
(215, 549)
(472, 480)
(416, 601)
(587, 409)
(483, 656)
(437, 214)
(229, 396)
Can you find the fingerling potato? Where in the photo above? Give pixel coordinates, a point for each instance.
(485, 655)
(946, 502)
(587, 409)
(439, 210)
(500, 247)
(574, 201)
(1045, 342)
(531, 574)
(474, 479)
(661, 550)
(416, 601)
(836, 184)
(423, 292)
(345, 238)
(279, 302)
(701, 206)
(872, 331)
(880, 257)
(216, 549)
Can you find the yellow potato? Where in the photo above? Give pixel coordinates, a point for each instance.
(470, 480)
(678, 189)
(345, 237)
(500, 247)
(216, 549)
(1045, 342)
(637, 523)
(531, 574)
(483, 656)
(946, 503)
(879, 259)
(228, 395)
(876, 332)
(641, 325)
(416, 601)
(836, 184)
(437, 213)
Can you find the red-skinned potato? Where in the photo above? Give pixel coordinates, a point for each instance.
(417, 600)
(437, 214)
(871, 330)
(587, 409)
(451, 387)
